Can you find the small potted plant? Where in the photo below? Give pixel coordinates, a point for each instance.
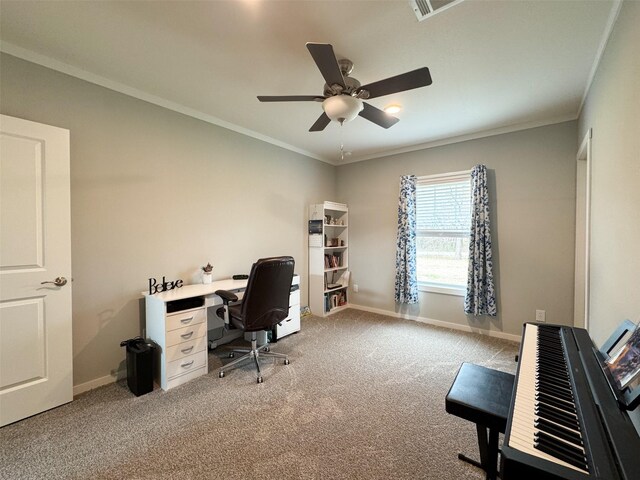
(207, 273)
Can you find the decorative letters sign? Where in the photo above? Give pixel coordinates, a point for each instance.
(155, 287)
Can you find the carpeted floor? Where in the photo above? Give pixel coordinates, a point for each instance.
(363, 398)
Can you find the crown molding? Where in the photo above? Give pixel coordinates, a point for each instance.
(67, 69)
(608, 29)
(466, 137)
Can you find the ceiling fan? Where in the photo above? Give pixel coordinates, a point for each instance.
(343, 96)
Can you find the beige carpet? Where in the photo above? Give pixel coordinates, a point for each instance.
(363, 398)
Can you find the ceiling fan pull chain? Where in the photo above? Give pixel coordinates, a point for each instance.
(341, 142)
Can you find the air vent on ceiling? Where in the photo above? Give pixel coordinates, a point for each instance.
(426, 8)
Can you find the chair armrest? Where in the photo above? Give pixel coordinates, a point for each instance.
(227, 296)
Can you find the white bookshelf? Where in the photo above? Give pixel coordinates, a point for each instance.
(328, 258)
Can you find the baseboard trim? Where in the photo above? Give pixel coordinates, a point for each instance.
(97, 382)
(440, 323)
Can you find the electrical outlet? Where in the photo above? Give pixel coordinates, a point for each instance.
(355, 288)
(541, 316)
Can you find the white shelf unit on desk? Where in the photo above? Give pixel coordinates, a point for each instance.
(329, 258)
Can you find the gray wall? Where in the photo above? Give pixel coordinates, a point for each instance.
(532, 189)
(154, 193)
(612, 110)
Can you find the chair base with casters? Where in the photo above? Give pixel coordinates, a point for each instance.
(255, 353)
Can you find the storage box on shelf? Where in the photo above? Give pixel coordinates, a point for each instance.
(328, 257)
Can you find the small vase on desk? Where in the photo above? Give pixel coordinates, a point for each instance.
(207, 273)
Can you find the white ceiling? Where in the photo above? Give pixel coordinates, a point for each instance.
(496, 65)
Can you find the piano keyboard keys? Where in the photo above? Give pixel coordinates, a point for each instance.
(544, 411)
(545, 422)
(560, 450)
(555, 402)
(558, 431)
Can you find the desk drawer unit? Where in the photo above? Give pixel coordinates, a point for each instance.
(182, 338)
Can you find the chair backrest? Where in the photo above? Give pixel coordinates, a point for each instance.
(266, 298)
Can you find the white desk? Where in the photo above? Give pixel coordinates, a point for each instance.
(182, 335)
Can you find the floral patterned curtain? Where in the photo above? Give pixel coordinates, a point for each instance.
(406, 278)
(481, 295)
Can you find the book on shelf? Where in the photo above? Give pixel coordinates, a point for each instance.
(334, 300)
(330, 281)
(342, 298)
(333, 260)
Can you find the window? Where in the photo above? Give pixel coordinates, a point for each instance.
(443, 222)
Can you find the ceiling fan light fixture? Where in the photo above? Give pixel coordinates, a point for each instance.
(391, 109)
(342, 108)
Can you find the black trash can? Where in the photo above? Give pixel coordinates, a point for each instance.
(139, 365)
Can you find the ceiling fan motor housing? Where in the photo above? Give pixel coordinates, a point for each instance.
(351, 85)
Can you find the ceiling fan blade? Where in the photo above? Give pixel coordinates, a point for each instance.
(321, 123)
(377, 116)
(406, 81)
(325, 59)
(291, 98)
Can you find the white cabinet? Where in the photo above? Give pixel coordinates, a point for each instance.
(182, 340)
(328, 257)
(291, 324)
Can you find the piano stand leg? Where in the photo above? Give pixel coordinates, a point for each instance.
(473, 462)
(488, 446)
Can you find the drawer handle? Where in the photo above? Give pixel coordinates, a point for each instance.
(188, 364)
(187, 335)
(187, 350)
(186, 320)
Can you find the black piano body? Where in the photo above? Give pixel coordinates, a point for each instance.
(611, 442)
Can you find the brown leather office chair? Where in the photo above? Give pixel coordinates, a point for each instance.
(265, 304)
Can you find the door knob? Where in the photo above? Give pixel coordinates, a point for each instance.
(58, 282)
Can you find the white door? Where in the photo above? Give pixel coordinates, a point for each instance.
(35, 249)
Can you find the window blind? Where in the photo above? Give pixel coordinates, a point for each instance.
(443, 205)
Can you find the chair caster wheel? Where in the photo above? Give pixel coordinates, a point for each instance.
(221, 374)
(286, 361)
(259, 379)
(231, 355)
